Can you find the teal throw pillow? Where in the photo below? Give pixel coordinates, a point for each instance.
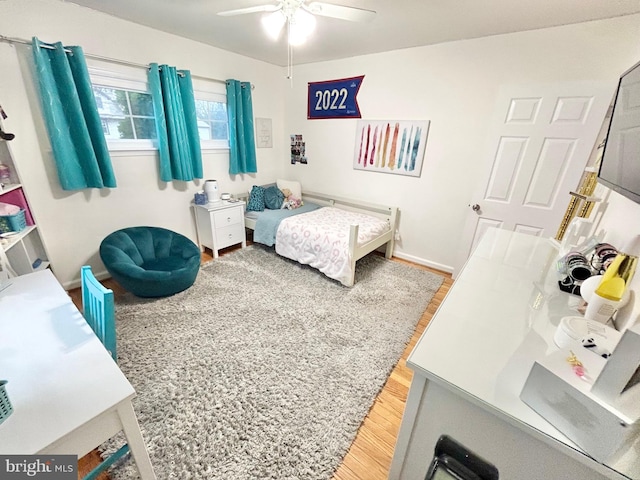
(273, 198)
(256, 199)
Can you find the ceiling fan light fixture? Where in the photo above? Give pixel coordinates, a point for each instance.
(273, 23)
(301, 26)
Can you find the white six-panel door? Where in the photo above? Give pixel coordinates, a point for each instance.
(540, 140)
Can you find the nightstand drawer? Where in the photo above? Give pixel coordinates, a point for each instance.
(230, 235)
(228, 216)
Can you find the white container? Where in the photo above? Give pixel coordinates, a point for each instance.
(600, 309)
(572, 330)
(587, 291)
(211, 189)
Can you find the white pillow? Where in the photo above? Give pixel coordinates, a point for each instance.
(296, 189)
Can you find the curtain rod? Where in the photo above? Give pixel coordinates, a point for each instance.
(105, 59)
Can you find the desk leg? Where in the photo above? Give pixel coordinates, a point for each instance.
(416, 391)
(138, 449)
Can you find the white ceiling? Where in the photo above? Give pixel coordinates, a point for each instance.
(398, 23)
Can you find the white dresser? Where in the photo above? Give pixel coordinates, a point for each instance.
(471, 363)
(220, 225)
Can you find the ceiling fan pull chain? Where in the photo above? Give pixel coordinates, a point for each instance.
(290, 74)
(289, 54)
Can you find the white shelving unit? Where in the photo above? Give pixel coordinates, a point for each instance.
(24, 250)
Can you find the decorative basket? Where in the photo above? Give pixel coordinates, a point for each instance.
(13, 223)
(5, 404)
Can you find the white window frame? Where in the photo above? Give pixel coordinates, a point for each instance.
(212, 97)
(212, 91)
(125, 77)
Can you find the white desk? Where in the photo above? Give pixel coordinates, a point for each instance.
(473, 359)
(68, 394)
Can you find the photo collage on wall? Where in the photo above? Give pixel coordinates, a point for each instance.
(298, 154)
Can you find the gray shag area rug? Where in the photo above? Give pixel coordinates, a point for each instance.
(265, 368)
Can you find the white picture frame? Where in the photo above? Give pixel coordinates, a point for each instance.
(391, 146)
(264, 133)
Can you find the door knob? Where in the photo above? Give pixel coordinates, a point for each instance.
(475, 207)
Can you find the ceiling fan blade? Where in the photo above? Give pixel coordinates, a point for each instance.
(242, 11)
(342, 12)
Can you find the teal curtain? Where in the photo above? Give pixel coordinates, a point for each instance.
(176, 123)
(242, 144)
(71, 116)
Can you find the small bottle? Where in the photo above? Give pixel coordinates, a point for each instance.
(606, 298)
(600, 309)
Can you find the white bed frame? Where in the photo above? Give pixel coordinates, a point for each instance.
(388, 213)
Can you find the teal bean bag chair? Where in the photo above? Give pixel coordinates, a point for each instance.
(150, 261)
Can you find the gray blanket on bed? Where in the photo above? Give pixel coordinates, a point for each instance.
(268, 222)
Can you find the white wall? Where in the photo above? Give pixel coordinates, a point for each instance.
(72, 224)
(454, 85)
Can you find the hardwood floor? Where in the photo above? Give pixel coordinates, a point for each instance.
(369, 457)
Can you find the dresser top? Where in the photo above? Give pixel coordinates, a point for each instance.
(497, 319)
(219, 205)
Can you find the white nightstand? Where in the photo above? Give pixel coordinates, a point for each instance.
(220, 224)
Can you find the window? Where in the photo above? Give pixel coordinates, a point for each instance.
(212, 120)
(213, 127)
(126, 109)
(128, 115)
(124, 105)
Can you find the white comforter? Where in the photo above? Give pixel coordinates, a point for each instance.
(321, 239)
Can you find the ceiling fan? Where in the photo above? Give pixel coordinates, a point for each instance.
(299, 17)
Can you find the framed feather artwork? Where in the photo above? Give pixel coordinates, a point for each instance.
(391, 146)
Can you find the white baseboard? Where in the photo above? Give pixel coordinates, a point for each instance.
(76, 283)
(410, 258)
(422, 261)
